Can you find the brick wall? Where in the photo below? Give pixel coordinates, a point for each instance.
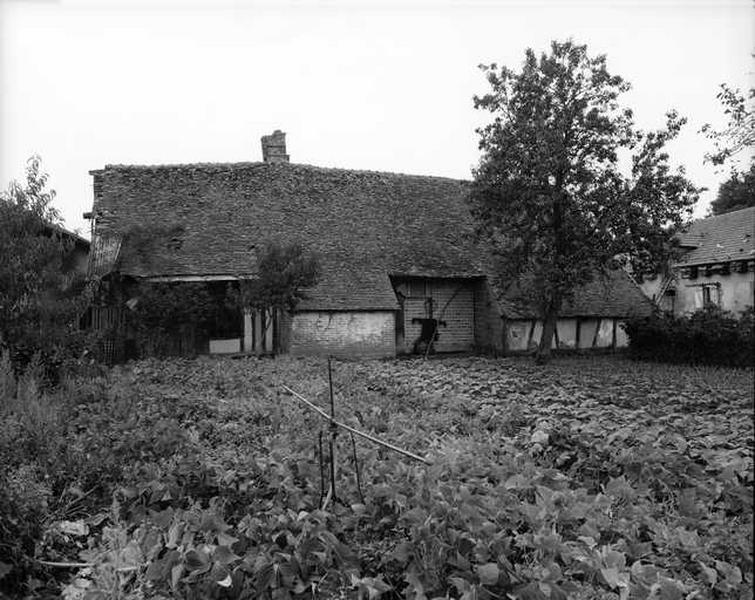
(367, 334)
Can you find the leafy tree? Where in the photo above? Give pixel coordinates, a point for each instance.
(39, 303)
(739, 134)
(285, 272)
(549, 194)
(736, 193)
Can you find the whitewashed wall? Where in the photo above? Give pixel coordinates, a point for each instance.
(571, 334)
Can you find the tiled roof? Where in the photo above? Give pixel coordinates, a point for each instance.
(364, 225)
(724, 238)
(614, 295)
(80, 241)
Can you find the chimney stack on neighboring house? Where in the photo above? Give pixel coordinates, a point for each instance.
(274, 147)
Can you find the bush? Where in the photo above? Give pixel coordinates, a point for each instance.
(707, 337)
(41, 296)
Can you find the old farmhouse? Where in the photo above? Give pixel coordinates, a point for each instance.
(717, 267)
(396, 253)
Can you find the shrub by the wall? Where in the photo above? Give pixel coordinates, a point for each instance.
(707, 337)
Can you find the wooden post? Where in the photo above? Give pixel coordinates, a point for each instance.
(268, 345)
(258, 331)
(248, 331)
(531, 334)
(333, 432)
(597, 331)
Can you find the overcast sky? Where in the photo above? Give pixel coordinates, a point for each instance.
(357, 84)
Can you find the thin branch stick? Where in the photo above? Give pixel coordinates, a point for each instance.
(329, 495)
(333, 433)
(65, 565)
(361, 434)
(356, 468)
(333, 466)
(322, 468)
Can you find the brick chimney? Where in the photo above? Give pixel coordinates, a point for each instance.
(274, 147)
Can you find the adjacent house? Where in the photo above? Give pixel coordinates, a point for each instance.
(397, 254)
(592, 320)
(717, 266)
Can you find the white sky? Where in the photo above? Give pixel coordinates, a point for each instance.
(358, 84)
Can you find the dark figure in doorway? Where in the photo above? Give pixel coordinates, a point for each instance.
(428, 335)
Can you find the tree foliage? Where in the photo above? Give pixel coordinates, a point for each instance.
(735, 193)
(739, 134)
(39, 298)
(285, 273)
(549, 192)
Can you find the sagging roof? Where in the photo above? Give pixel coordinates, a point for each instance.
(611, 295)
(362, 224)
(719, 239)
(74, 237)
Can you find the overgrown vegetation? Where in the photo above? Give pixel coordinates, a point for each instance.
(165, 315)
(41, 298)
(707, 337)
(200, 479)
(285, 272)
(177, 318)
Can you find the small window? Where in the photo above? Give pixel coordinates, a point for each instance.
(667, 300)
(710, 295)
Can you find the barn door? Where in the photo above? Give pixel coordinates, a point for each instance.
(449, 301)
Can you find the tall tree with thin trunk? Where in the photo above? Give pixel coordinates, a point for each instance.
(549, 194)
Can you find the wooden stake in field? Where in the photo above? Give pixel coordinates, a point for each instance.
(335, 424)
(333, 433)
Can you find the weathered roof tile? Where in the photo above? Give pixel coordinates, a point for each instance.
(723, 238)
(363, 224)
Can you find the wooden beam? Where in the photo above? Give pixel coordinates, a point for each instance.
(192, 278)
(597, 331)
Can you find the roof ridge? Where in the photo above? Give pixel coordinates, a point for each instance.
(220, 166)
(726, 214)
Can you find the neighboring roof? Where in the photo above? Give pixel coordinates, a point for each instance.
(74, 237)
(613, 295)
(364, 225)
(724, 238)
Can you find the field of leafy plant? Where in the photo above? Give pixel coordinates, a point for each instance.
(599, 478)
